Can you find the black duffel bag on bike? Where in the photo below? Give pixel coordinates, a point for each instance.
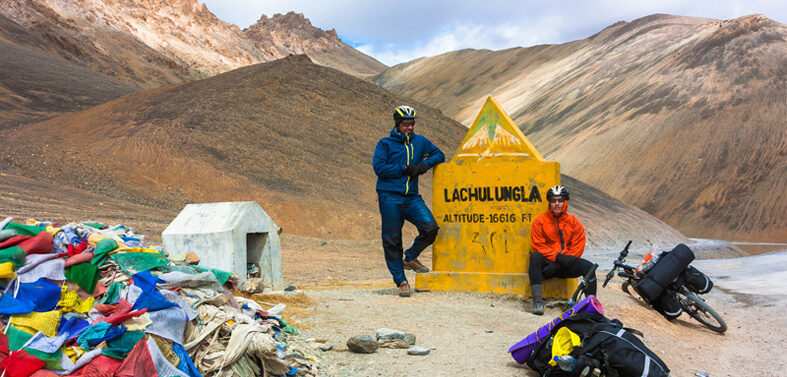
(606, 345)
(696, 281)
(669, 267)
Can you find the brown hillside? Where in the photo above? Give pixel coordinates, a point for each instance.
(683, 117)
(151, 43)
(294, 136)
(36, 85)
(24, 198)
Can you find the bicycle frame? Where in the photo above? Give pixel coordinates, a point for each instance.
(581, 290)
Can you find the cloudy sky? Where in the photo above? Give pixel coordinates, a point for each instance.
(398, 31)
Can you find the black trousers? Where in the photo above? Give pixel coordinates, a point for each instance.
(542, 268)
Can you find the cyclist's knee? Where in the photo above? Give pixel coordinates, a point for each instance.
(536, 258)
(430, 230)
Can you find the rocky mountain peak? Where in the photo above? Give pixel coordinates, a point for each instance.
(289, 26)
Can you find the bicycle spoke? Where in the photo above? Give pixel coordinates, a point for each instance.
(696, 308)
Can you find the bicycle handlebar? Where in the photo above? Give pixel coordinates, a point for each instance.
(625, 252)
(621, 258)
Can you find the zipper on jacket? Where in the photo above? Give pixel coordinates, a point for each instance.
(407, 149)
(560, 232)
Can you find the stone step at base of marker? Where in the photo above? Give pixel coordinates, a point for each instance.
(492, 283)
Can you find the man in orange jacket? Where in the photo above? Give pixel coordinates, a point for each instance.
(558, 241)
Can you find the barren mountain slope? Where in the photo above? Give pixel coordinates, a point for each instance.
(294, 136)
(682, 117)
(24, 198)
(36, 85)
(151, 43)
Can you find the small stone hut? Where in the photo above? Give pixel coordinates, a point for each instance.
(231, 236)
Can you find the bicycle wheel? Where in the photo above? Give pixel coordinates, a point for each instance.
(625, 287)
(631, 289)
(698, 309)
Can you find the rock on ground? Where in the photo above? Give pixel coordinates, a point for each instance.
(252, 286)
(388, 334)
(362, 344)
(418, 351)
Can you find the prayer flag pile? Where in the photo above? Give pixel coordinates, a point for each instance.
(85, 299)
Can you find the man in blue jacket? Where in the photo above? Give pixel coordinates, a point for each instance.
(398, 161)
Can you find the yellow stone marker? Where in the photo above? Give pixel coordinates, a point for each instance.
(485, 200)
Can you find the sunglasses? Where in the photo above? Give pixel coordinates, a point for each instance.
(557, 200)
(407, 124)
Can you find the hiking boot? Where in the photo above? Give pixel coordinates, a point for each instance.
(416, 266)
(538, 307)
(404, 289)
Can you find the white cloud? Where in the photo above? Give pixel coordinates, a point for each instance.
(458, 37)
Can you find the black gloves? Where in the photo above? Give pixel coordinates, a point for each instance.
(564, 260)
(549, 270)
(422, 168)
(415, 170)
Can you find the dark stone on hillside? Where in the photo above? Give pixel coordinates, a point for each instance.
(362, 344)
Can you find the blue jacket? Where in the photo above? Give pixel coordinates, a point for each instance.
(395, 152)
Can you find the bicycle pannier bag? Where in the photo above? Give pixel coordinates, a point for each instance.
(696, 281)
(668, 304)
(670, 266)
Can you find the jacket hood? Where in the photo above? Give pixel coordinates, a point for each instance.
(565, 209)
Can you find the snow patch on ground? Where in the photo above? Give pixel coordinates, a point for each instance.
(755, 279)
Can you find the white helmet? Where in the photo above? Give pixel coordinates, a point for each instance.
(557, 190)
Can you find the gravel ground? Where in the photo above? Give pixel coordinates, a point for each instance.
(351, 293)
(470, 333)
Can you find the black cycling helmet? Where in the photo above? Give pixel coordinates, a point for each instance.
(557, 191)
(403, 112)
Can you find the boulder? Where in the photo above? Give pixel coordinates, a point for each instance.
(362, 344)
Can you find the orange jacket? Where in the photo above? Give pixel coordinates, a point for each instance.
(545, 235)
